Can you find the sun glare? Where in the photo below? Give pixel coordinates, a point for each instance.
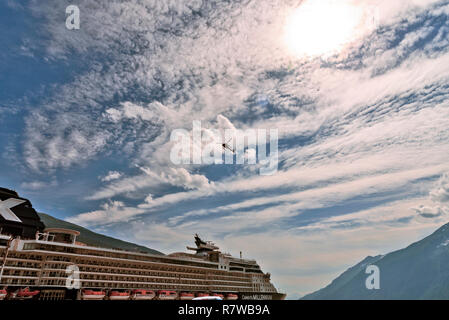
(321, 27)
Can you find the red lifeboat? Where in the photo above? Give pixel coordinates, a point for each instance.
(92, 294)
(3, 294)
(186, 296)
(119, 295)
(231, 296)
(166, 295)
(202, 294)
(25, 293)
(217, 295)
(141, 294)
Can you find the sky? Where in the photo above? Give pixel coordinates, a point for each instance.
(357, 91)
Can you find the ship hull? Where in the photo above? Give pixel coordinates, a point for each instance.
(78, 295)
(263, 296)
(110, 271)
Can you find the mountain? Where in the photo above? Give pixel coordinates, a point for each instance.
(94, 239)
(420, 271)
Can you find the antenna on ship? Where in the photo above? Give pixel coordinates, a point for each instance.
(240, 254)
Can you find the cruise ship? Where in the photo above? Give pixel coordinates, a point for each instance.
(50, 264)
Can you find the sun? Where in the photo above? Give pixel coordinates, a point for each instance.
(321, 27)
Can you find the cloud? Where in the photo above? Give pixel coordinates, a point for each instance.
(130, 110)
(441, 193)
(429, 212)
(38, 185)
(439, 198)
(110, 212)
(201, 75)
(178, 177)
(112, 175)
(250, 212)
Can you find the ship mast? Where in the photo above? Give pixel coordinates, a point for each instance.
(203, 247)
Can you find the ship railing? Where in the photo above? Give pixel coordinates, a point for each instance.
(250, 261)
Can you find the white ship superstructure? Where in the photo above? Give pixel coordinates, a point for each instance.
(43, 265)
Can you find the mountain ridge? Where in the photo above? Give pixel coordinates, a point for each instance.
(95, 239)
(418, 271)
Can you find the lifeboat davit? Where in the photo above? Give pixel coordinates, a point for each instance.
(143, 295)
(119, 295)
(25, 293)
(3, 294)
(92, 294)
(231, 296)
(167, 295)
(202, 294)
(186, 296)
